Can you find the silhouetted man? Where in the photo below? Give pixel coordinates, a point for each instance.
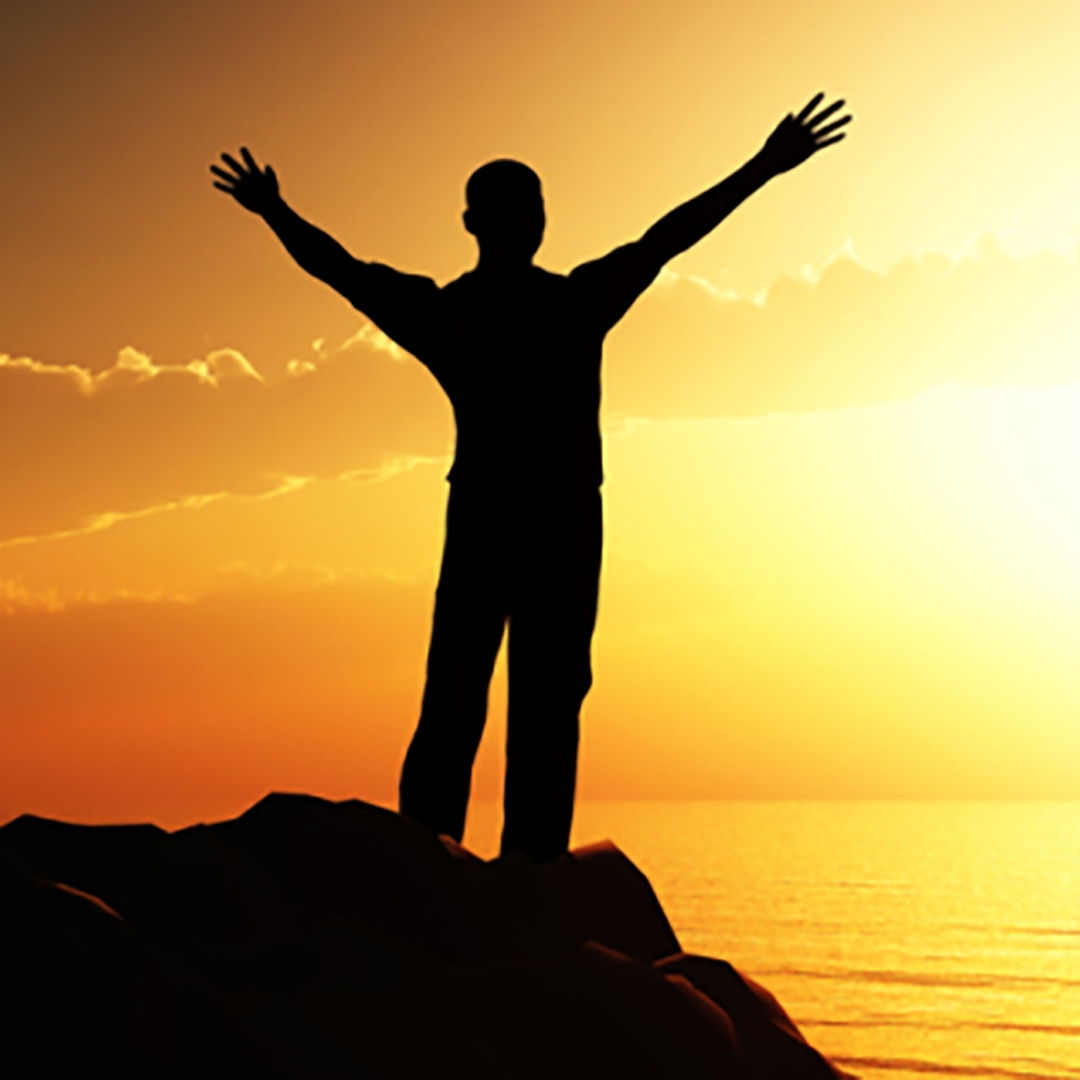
(517, 350)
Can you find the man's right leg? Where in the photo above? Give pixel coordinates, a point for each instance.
(470, 615)
(552, 616)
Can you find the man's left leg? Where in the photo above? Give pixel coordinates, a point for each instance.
(552, 615)
(467, 627)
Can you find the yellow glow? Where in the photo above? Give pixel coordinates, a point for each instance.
(843, 496)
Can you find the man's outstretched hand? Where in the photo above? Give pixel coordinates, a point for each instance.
(798, 137)
(253, 188)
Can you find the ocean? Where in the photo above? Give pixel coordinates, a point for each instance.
(906, 939)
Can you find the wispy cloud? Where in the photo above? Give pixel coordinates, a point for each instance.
(108, 519)
(848, 335)
(16, 597)
(283, 486)
(85, 450)
(137, 367)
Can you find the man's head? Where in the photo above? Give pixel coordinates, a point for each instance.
(505, 211)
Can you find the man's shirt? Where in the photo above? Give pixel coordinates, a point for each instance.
(518, 355)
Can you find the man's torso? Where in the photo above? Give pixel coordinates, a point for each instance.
(520, 359)
(519, 356)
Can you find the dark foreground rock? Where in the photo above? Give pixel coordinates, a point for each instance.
(316, 939)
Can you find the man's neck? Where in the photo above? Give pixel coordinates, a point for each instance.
(500, 265)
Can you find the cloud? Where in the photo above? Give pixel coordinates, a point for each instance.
(16, 597)
(852, 336)
(134, 366)
(96, 523)
(80, 450)
(106, 520)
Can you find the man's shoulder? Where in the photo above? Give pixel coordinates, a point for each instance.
(474, 279)
(462, 283)
(548, 282)
(626, 257)
(391, 275)
(370, 286)
(551, 276)
(473, 286)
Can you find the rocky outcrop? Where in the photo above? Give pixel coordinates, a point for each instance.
(316, 939)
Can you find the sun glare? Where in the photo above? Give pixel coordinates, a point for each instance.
(1004, 466)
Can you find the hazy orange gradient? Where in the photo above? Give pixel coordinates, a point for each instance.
(843, 449)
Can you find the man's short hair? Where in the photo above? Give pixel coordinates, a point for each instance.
(500, 182)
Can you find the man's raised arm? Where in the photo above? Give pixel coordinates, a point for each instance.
(256, 190)
(795, 139)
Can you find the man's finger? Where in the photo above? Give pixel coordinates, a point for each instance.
(829, 142)
(830, 128)
(249, 159)
(224, 187)
(825, 113)
(223, 174)
(233, 164)
(811, 105)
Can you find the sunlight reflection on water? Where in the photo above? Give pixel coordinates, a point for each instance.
(906, 939)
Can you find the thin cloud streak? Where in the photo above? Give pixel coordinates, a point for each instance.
(847, 335)
(287, 485)
(82, 446)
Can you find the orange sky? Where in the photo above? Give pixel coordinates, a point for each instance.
(842, 433)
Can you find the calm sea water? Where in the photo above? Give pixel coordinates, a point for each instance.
(906, 939)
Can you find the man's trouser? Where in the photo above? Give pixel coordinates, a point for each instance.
(531, 561)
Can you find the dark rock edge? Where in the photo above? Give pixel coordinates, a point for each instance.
(308, 938)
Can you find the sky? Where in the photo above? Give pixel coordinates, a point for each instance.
(842, 433)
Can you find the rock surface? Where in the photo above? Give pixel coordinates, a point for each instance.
(315, 939)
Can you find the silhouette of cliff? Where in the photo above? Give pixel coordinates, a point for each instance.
(316, 939)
